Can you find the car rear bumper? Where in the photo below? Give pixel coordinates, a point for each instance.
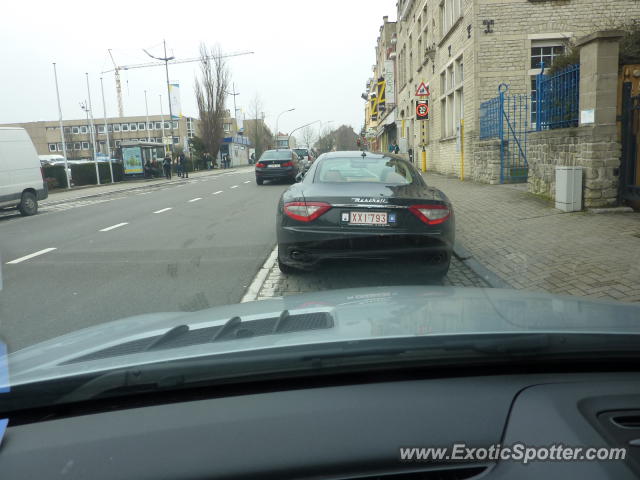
(305, 249)
(268, 174)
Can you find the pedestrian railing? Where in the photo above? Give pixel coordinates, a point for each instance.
(558, 99)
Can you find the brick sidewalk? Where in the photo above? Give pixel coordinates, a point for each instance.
(532, 246)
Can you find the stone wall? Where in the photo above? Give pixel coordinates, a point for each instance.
(485, 161)
(594, 148)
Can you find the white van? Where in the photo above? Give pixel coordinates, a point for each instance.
(21, 182)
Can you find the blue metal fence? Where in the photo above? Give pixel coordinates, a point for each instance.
(558, 99)
(506, 117)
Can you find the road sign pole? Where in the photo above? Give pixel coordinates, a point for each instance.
(424, 159)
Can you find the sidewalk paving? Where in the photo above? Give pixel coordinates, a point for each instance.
(530, 245)
(64, 195)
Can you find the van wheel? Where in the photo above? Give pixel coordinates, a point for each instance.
(28, 204)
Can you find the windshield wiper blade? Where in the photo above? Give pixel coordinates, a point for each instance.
(167, 337)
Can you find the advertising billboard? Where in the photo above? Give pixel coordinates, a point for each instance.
(132, 160)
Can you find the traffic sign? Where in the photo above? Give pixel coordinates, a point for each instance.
(423, 90)
(422, 110)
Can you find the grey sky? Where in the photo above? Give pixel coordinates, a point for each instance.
(311, 55)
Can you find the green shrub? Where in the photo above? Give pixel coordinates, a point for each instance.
(85, 173)
(56, 172)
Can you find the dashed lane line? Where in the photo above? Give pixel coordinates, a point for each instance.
(118, 225)
(35, 254)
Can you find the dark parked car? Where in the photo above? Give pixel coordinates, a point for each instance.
(363, 205)
(277, 165)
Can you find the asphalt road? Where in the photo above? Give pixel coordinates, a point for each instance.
(183, 247)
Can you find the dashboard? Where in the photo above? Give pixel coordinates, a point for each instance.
(340, 431)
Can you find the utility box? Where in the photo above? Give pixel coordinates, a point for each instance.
(569, 189)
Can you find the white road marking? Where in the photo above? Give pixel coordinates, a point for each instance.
(195, 199)
(235, 186)
(163, 210)
(216, 193)
(248, 181)
(27, 257)
(144, 193)
(254, 289)
(114, 226)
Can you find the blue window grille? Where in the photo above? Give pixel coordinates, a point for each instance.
(558, 99)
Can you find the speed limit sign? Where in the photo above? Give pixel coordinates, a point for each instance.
(422, 110)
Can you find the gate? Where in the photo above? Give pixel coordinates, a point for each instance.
(630, 137)
(506, 117)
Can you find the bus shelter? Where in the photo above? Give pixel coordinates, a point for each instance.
(135, 156)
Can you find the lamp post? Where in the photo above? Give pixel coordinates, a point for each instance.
(277, 119)
(92, 130)
(64, 145)
(166, 60)
(106, 129)
(301, 126)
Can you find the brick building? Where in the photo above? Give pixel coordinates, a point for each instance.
(463, 50)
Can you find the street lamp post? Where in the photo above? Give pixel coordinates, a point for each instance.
(106, 129)
(277, 119)
(301, 126)
(92, 130)
(166, 60)
(64, 145)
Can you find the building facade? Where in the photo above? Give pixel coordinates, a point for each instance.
(463, 50)
(155, 128)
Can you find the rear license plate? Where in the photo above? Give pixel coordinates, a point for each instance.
(368, 218)
(273, 165)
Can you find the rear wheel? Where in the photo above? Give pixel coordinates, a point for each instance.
(28, 204)
(259, 181)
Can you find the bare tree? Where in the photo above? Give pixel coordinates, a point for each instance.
(308, 136)
(326, 142)
(258, 133)
(211, 95)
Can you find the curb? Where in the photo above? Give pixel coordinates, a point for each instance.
(258, 280)
(494, 280)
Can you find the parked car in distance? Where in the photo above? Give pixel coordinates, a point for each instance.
(21, 181)
(278, 165)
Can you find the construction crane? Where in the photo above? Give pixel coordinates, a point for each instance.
(117, 68)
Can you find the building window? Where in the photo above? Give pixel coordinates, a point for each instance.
(116, 127)
(547, 52)
(142, 126)
(226, 127)
(75, 130)
(158, 125)
(150, 126)
(67, 129)
(109, 128)
(118, 143)
(450, 12)
(85, 145)
(175, 124)
(176, 140)
(52, 147)
(84, 129)
(77, 146)
(452, 98)
(101, 129)
(133, 127)
(167, 125)
(125, 127)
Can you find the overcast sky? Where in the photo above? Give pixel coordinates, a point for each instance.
(312, 55)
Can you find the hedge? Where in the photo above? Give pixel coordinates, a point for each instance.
(56, 172)
(85, 173)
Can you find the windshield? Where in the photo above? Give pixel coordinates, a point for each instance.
(188, 183)
(276, 155)
(357, 169)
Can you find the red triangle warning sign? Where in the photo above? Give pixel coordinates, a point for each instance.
(423, 90)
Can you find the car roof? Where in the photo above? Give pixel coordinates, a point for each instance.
(358, 153)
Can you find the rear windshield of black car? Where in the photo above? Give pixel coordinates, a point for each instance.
(372, 170)
(276, 155)
(301, 151)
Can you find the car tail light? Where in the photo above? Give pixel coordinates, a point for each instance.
(260, 165)
(287, 164)
(431, 214)
(305, 211)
